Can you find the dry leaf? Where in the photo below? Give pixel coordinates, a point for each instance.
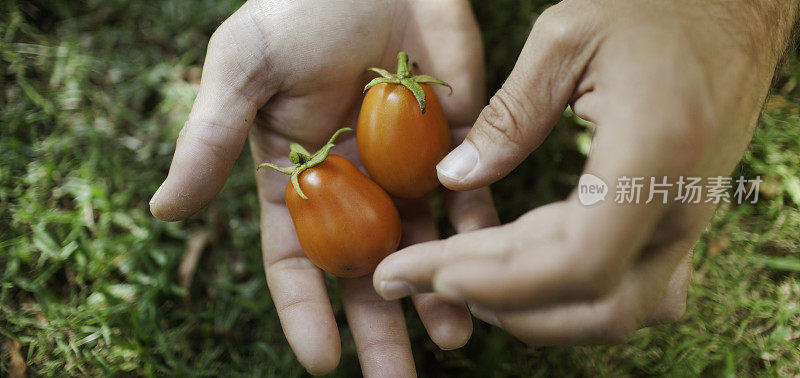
(16, 364)
(776, 102)
(717, 245)
(191, 256)
(192, 74)
(769, 188)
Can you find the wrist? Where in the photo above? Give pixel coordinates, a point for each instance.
(771, 25)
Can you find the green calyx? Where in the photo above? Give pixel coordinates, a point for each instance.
(303, 160)
(404, 78)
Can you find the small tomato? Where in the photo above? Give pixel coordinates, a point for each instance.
(402, 131)
(346, 224)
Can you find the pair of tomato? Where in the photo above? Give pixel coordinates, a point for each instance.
(346, 223)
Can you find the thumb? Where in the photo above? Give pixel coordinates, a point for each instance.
(521, 114)
(233, 87)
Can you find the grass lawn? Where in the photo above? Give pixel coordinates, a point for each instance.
(93, 96)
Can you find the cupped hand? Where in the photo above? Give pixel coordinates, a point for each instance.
(293, 71)
(675, 89)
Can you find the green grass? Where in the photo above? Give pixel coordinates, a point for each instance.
(93, 96)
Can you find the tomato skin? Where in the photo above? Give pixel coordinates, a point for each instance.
(348, 224)
(399, 145)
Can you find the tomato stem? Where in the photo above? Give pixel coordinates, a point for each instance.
(302, 160)
(404, 78)
(298, 154)
(402, 65)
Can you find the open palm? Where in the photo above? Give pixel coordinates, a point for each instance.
(293, 71)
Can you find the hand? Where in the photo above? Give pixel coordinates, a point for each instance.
(293, 71)
(675, 89)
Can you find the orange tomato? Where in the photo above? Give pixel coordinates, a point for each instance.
(348, 224)
(399, 145)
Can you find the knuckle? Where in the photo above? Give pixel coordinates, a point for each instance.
(222, 56)
(237, 57)
(558, 25)
(289, 263)
(453, 245)
(687, 132)
(701, 111)
(694, 121)
(503, 118)
(682, 112)
(214, 139)
(381, 346)
(221, 40)
(293, 305)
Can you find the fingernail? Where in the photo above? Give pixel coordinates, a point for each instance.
(459, 162)
(153, 199)
(486, 315)
(390, 290)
